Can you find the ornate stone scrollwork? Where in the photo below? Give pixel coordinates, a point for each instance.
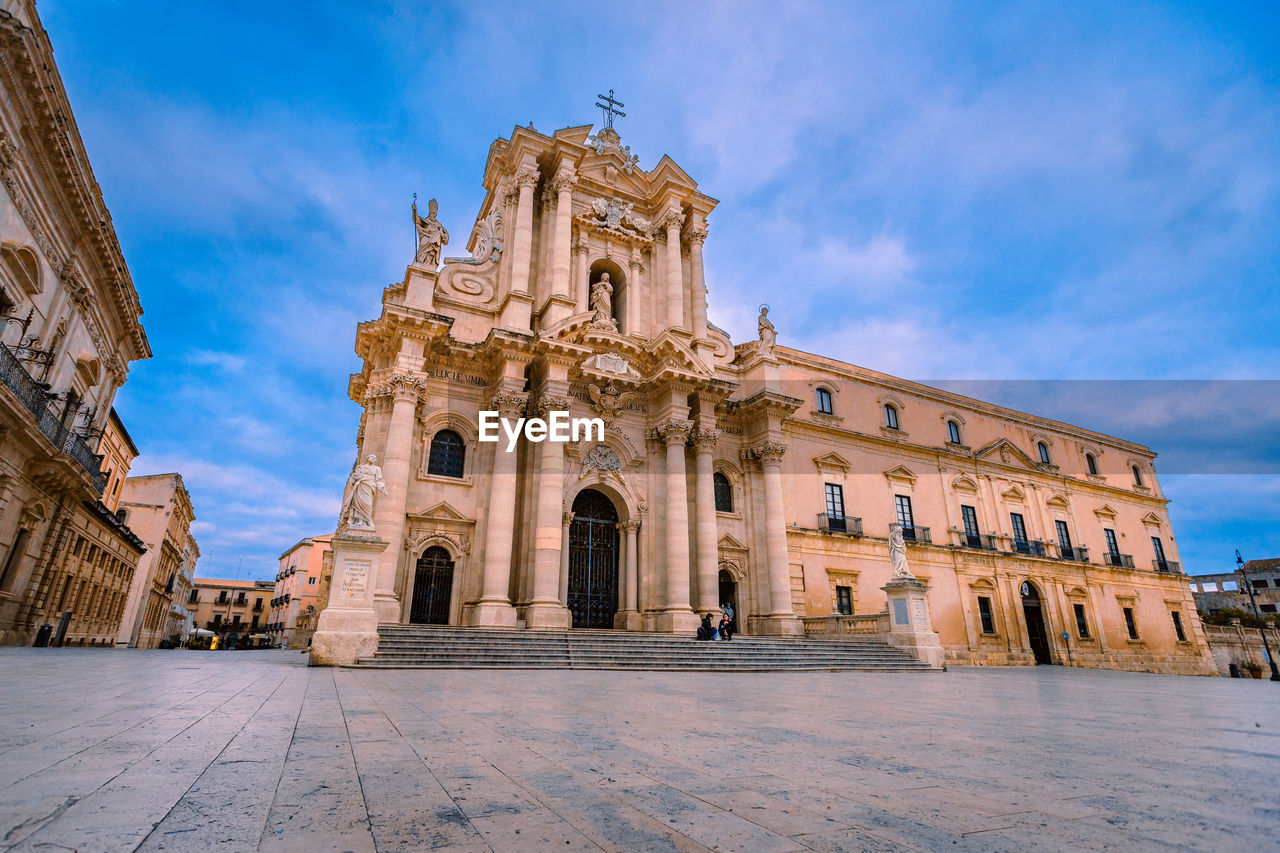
(609, 401)
(551, 403)
(567, 518)
(675, 430)
(563, 180)
(527, 177)
(419, 540)
(672, 219)
(508, 404)
(768, 453)
(696, 235)
(602, 456)
(628, 527)
(705, 439)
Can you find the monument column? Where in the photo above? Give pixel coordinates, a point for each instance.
(781, 619)
(704, 443)
(675, 287)
(697, 236)
(546, 609)
(677, 614)
(629, 616)
(404, 391)
(494, 607)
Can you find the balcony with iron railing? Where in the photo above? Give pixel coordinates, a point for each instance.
(1076, 553)
(829, 523)
(917, 534)
(1122, 561)
(980, 541)
(1171, 566)
(35, 398)
(1029, 547)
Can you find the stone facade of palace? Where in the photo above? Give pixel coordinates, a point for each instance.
(748, 473)
(158, 509)
(232, 609)
(294, 603)
(69, 325)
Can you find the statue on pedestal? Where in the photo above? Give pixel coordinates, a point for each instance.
(431, 234)
(898, 553)
(357, 498)
(602, 304)
(768, 336)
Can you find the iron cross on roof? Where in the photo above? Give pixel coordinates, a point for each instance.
(609, 106)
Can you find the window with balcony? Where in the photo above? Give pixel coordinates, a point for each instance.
(835, 506)
(972, 535)
(824, 402)
(723, 492)
(1082, 624)
(1019, 531)
(448, 453)
(891, 416)
(1064, 540)
(1157, 547)
(194, 598)
(985, 615)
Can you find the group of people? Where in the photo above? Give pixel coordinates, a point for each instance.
(722, 631)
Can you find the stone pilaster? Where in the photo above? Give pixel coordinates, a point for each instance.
(677, 614)
(494, 607)
(389, 511)
(781, 618)
(704, 444)
(516, 311)
(673, 222)
(628, 617)
(546, 609)
(581, 276)
(562, 183)
(566, 519)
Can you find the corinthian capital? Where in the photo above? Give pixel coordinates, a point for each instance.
(705, 439)
(508, 404)
(563, 180)
(527, 177)
(398, 387)
(769, 453)
(697, 235)
(550, 403)
(672, 219)
(675, 430)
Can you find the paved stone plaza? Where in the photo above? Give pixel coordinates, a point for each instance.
(120, 750)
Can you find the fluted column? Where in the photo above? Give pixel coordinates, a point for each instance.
(494, 607)
(697, 285)
(522, 238)
(581, 275)
(673, 221)
(546, 610)
(388, 518)
(704, 443)
(562, 183)
(677, 614)
(781, 614)
(566, 519)
(631, 571)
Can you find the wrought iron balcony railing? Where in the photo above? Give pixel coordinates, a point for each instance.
(1029, 547)
(981, 541)
(1167, 566)
(1078, 553)
(1123, 561)
(916, 534)
(839, 524)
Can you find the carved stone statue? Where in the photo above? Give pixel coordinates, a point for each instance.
(609, 401)
(431, 234)
(898, 553)
(357, 498)
(602, 304)
(768, 336)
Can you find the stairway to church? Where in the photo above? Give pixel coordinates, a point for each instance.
(440, 647)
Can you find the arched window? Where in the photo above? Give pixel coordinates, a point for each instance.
(724, 493)
(953, 432)
(1092, 462)
(1044, 452)
(890, 416)
(448, 452)
(824, 402)
(1137, 475)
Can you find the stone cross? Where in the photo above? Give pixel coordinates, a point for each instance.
(609, 107)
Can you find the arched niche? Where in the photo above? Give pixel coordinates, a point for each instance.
(618, 278)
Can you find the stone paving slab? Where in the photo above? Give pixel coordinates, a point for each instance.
(115, 749)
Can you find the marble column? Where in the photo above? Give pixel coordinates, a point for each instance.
(562, 183)
(566, 519)
(704, 443)
(697, 284)
(522, 237)
(673, 222)
(546, 609)
(628, 615)
(581, 276)
(389, 518)
(781, 617)
(677, 614)
(494, 607)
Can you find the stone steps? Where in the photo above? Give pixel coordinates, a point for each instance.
(438, 647)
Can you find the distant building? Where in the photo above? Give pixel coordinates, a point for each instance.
(1215, 593)
(69, 329)
(232, 609)
(181, 619)
(297, 593)
(159, 510)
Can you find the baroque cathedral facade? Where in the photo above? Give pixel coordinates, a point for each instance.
(748, 474)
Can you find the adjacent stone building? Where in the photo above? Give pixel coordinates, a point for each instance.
(158, 509)
(1225, 591)
(235, 610)
(750, 473)
(69, 329)
(295, 598)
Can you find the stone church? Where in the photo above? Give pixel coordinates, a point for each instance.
(748, 474)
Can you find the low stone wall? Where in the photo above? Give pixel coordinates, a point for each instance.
(837, 625)
(1239, 645)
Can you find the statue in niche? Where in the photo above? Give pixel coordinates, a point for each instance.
(357, 498)
(898, 553)
(768, 335)
(602, 304)
(432, 236)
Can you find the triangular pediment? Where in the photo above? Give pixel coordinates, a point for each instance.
(577, 135)
(1152, 520)
(443, 512)
(964, 483)
(728, 543)
(1105, 511)
(832, 460)
(1005, 451)
(1057, 502)
(667, 170)
(1013, 493)
(901, 473)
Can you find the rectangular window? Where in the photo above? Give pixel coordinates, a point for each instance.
(1267, 608)
(235, 619)
(905, 517)
(953, 432)
(1082, 624)
(844, 600)
(311, 581)
(1064, 538)
(824, 401)
(1113, 548)
(835, 500)
(1158, 547)
(1130, 623)
(1259, 583)
(1019, 527)
(217, 618)
(1177, 626)
(984, 613)
(970, 521)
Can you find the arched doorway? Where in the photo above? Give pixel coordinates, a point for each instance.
(593, 561)
(432, 587)
(1031, 610)
(729, 596)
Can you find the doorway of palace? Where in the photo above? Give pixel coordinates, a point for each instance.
(1034, 615)
(432, 588)
(729, 596)
(593, 561)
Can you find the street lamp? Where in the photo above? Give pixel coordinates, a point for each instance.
(1262, 625)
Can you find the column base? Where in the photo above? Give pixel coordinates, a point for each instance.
(343, 635)
(547, 616)
(628, 620)
(387, 607)
(677, 622)
(779, 626)
(492, 614)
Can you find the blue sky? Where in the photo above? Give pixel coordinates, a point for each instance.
(947, 192)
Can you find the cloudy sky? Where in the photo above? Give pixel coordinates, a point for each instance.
(1015, 194)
